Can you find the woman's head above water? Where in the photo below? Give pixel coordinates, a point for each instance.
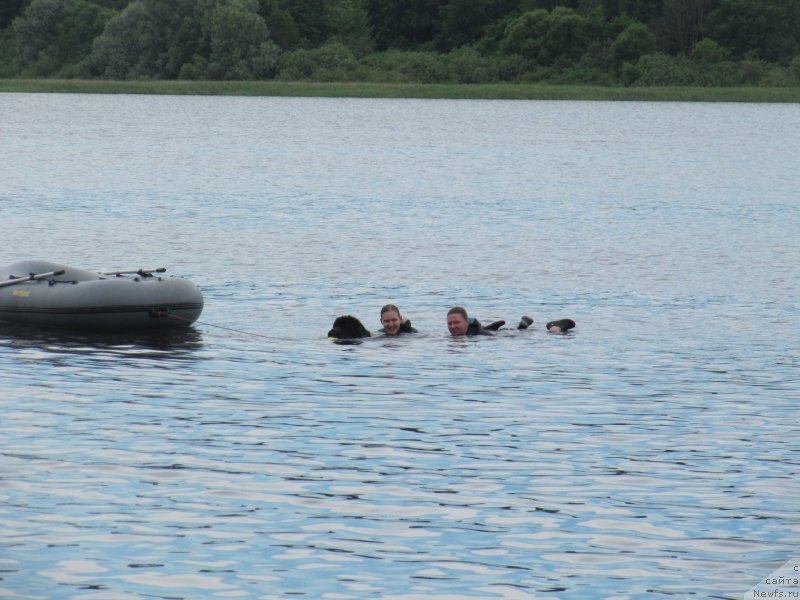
(391, 319)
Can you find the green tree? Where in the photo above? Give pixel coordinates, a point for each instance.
(141, 40)
(709, 52)
(81, 22)
(117, 53)
(117, 5)
(714, 65)
(631, 44)
(9, 10)
(767, 28)
(55, 36)
(644, 11)
(680, 25)
(282, 27)
(331, 62)
(240, 44)
(708, 42)
(348, 22)
(7, 51)
(567, 37)
(464, 22)
(662, 70)
(794, 68)
(561, 36)
(405, 66)
(404, 24)
(216, 39)
(524, 34)
(548, 5)
(469, 66)
(308, 16)
(35, 32)
(610, 8)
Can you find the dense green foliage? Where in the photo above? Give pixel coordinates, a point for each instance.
(601, 42)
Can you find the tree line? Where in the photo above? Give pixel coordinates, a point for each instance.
(604, 42)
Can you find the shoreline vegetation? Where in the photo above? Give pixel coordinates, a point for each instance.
(658, 50)
(489, 91)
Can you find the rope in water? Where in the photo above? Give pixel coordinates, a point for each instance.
(161, 313)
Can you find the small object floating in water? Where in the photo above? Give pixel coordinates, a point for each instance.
(42, 293)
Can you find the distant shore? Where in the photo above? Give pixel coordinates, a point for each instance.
(495, 91)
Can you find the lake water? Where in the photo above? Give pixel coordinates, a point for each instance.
(653, 451)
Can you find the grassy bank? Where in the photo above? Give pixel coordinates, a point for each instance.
(509, 91)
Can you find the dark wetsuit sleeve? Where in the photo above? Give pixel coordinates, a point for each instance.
(405, 327)
(475, 328)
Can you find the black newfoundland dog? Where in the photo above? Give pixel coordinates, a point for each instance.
(348, 327)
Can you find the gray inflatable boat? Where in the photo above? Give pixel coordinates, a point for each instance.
(42, 293)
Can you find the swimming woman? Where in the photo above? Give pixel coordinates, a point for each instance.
(393, 322)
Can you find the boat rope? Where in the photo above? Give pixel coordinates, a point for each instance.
(161, 313)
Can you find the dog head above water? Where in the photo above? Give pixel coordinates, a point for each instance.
(347, 327)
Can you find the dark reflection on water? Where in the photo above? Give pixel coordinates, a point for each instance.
(188, 337)
(650, 452)
(175, 344)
